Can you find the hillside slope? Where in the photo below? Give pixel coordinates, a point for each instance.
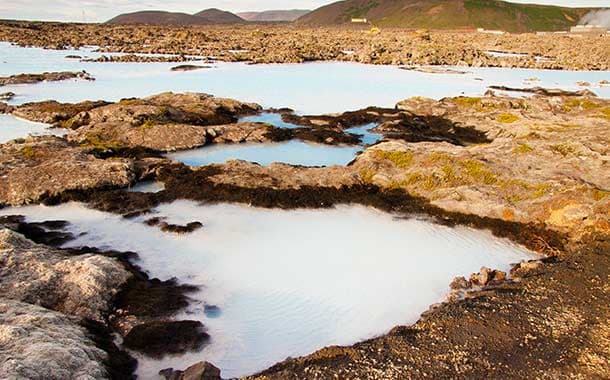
(448, 14)
(274, 15)
(158, 18)
(205, 17)
(218, 16)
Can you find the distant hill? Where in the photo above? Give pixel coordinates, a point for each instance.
(158, 18)
(218, 16)
(205, 17)
(448, 14)
(276, 15)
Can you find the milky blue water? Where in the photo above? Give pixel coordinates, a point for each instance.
(291, 152)
(368, 137)
(286, 283)
(269, 118)
(275, 119)
(147, 187)
(12, 127)
(312, 88)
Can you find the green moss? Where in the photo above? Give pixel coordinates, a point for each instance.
(28, 152)
(128, 102)
(97, 143)
(541, 190)
(523, 148)
(401, 159)
(147, 124)
(436, 157)
(367, 175)
(598, 194)
(430, 182)
(583, 104)
(479, 172)
(564, 149)
(507, 117)
(512, 198)
(412, 179)
(449, 173)
(605, 113)
(464, 101)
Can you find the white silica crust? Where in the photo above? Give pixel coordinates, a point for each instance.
(286, 283)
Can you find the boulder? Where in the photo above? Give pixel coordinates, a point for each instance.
(198, 371)
(77, 285)
(38, 168)
(159, 338)
(41, 344)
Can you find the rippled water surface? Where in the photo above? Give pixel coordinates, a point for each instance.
(290, 282)
(311, 88)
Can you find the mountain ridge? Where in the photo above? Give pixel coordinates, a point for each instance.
(205, 17)
(448, 14)
(274, 15)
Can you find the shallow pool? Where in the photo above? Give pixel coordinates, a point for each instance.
(290, 282)
(12, 127)
(293, 152)
(311, 88)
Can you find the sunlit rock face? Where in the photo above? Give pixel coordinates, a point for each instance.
(278, 283)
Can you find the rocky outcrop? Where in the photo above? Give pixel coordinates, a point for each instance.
(159, 338)
(544, 91)
(52, 112)
(7, 96)
(163, 122)
(294, 44)
(38, 344)
(44, 77)
(545, 160)
(81, 286)
(43, 167)
(198, 371)
(189, 67)
(54, 306)
(140, 58)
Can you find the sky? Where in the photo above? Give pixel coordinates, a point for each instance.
(102, 10)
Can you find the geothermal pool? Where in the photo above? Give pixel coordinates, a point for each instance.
(12, 127)
(290, 282)
(311, 88)
(293, 152)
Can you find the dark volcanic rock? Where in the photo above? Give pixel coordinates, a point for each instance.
(7, 95)
(176, 228)
(166, 337)
(545, 91)
(5, 108)
(189, 67)
(198, 371)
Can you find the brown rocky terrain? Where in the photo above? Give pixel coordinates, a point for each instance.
(44, 77)
(35, 168)
(289, 43)
(47, 294)
(534, 170)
